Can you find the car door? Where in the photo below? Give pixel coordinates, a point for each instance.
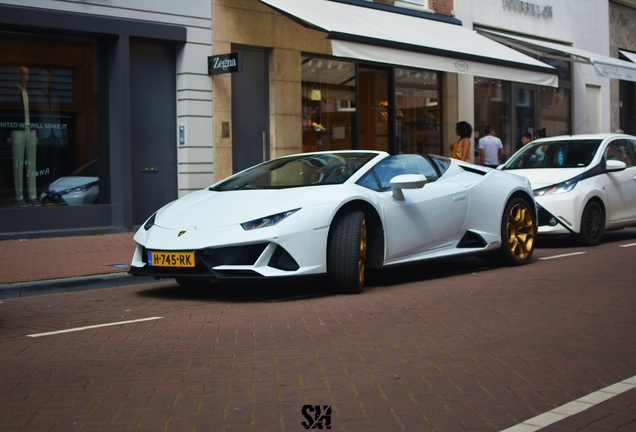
(621, 185)
(428, 218)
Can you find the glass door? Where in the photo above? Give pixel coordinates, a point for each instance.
(525, 114)
(375, 112)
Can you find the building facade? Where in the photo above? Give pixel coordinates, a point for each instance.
(574, 37)
(327, 75)
(102, 108)
(108, 112)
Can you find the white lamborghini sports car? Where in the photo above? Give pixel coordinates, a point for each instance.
(337, 214)
(583, 184)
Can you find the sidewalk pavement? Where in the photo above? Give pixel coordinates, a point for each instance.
(45, 265)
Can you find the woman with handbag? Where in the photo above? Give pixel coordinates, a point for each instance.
(461, 148)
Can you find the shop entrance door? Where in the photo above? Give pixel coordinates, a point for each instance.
(250, 109)
(525, 114)
(627, 104)
(375, 109)
(153, 127)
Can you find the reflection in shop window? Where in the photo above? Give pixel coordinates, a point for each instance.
(493, 107)
(48, 124)
(418, 111)
(554, 110)
(328, 103)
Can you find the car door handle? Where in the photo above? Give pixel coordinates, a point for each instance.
(459, 197)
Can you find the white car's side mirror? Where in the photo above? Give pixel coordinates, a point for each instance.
(406, 181)
(615, 165)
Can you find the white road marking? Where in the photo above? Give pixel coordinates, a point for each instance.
(561, 256)
(574, 407)
(93, 326)
(627, 245)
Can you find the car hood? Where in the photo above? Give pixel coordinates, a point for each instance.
(64, 183)
(547, 176)
(210, 209)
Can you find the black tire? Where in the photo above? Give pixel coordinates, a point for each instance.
(592, 224)
(347, 253)
(192, 282)
(518, 231)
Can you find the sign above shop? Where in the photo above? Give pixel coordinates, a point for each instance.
(528, 8)
(225, 63)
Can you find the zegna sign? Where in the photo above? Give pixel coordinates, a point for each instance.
(529, 8)
(225, 63)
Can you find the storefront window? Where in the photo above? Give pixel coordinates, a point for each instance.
(48, 122)
(329, 104)
(492, 107)
(418, 111)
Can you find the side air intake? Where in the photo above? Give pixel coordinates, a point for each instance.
(471, 241)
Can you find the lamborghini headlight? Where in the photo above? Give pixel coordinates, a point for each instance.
(562, 187)
(267, 221)
(150, 222)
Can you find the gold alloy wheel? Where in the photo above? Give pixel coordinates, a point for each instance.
(520, 231)
(362, 259)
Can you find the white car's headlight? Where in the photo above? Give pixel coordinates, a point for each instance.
(267, 221)
(562, 187)
(78, 189)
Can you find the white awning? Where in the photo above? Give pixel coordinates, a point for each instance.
(393, 38)
(605, 66)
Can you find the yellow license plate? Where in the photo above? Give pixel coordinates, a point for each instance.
(171, 259)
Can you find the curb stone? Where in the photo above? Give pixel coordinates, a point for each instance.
(78, 283)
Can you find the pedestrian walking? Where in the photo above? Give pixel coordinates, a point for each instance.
(490, 148)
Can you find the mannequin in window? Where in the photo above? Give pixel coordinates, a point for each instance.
(50, 136)
(23, 142)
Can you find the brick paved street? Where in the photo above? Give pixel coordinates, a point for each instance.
(423, 348)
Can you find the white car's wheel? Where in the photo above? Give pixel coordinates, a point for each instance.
(518, 229)
(347, 253)
(592, 224)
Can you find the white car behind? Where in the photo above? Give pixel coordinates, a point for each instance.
(583, 184)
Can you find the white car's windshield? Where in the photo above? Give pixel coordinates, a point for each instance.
(555, 154)
(302, 170)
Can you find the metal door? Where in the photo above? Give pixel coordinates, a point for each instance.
(153, 127)
(250, 109)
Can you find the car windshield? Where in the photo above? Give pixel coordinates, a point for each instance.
(297, 171)
(555, 154)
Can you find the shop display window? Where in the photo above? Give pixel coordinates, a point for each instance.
(493, 102)
(328, 104)
(345, 107)
(48, 122)
(417, 111)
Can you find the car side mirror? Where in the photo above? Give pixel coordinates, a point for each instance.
(406, 181)
(615, 165)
